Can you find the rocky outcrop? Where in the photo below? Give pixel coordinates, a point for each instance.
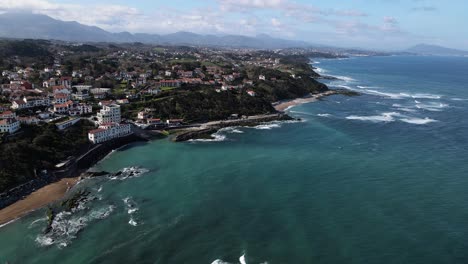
(206, 132)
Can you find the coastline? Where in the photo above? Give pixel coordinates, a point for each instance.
(285, 105)
(37, 200)
(55, 191)
(31, 200)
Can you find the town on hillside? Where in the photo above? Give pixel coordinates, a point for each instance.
(115, 86)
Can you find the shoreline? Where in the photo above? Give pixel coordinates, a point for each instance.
(57, 190)
(205, 130)
(37, 200)
(285, 105)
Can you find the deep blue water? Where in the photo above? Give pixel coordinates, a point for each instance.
(378, 178)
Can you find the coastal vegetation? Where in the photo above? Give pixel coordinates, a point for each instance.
(38, 148)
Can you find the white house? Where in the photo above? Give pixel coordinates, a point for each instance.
(33, 101)
(80, 109)
(19, 104)
(81, 96)
(7, 114)
(61, 98)
(28, 120)
(109, 131)
(9, 125)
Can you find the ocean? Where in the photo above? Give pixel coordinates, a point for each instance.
(376, 178)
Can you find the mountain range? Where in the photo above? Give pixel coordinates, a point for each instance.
(424, 49)
(36, 26)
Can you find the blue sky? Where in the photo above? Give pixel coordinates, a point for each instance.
(377, 24)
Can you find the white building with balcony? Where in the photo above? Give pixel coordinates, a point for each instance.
(109, 114)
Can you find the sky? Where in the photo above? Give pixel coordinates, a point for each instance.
(374, 24)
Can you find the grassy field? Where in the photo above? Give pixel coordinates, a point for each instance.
(168, 88)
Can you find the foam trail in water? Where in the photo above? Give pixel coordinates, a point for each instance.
(433, 107)
(267, 126)
(418, 121)
(384, 117)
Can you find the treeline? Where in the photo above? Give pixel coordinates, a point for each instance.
(39, 148)
(282, 85)
(24, 48)
(203, 105)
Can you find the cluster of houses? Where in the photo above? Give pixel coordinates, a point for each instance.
(147, 120)
(57, 97)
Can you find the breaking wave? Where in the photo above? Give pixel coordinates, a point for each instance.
(128, 173)
(132, 209)
(433, 107)
(384, 117)
(242, 260)
(418, 121)
(216, 137)
(66, 226)
(344, 78)
(267, 126)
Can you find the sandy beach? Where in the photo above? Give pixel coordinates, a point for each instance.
(282, 106)
(37, 200)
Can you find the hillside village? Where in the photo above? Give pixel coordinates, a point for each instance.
(88, 82)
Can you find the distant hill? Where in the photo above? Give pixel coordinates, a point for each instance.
(34, 26)
(425, 49)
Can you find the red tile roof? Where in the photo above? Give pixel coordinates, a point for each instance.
(96, 131)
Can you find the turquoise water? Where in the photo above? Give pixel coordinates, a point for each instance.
(379, 178)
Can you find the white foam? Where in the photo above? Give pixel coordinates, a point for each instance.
(217, 137)
(368, 87)
(131, 205)
(384, 117)
(459, 99)
(231, 130)
(218, 261)
(267, 126)
(132, 222)
(344, 78)
(289, 108)
(128, 173)
(319, 70)
(386, 94)
(324, 115)
(35, 222)
(403, 108)
(66, 226)
(242, 259)
(426, 96)
(433, 107)
(418, 121)
(44, 241)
